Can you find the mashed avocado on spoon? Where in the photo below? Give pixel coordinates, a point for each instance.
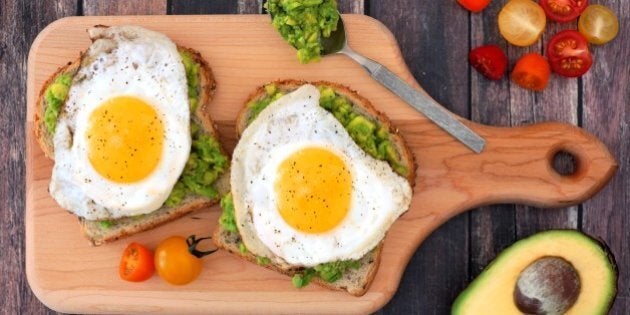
(302, 23)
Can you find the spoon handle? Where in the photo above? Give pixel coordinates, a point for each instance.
(421, 102)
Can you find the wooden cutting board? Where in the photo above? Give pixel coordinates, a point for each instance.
(69, 275)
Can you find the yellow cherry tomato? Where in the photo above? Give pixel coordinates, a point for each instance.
(177, 261)
(598, 24)
(522, 22)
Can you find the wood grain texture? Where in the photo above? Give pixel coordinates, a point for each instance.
(124, 7)
(208, 7)
(492, 227)
(606, 113)
(439, 268)
(505, 103)
(20, 22)
(351, 6)
(514, 167)
(558, 102)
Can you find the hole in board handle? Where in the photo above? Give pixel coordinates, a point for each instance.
(568, 160)
(564, 163)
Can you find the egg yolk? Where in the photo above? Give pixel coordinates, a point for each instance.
(124, 137)
(313, 190)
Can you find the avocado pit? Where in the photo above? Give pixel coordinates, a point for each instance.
(549, 285)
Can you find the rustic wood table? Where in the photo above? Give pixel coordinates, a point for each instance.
(435, 38)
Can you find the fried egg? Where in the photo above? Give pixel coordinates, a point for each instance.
(122, 138)
(304, 192)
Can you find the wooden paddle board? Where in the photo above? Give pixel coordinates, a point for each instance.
(69, 275)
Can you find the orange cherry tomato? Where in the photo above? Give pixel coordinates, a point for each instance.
(531, 72)
(474, 5)
(136, 263)
(178, 261)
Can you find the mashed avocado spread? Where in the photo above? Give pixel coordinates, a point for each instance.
(369, 135)
(329, 272)
(302, 23)
(205, 162)
(55, 96)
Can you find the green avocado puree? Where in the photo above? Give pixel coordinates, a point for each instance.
(205, 162)
(55, 95)
(302, 23)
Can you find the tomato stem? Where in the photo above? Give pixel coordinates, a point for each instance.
(193, 241)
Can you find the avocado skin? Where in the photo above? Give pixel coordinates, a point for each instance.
(583, 242)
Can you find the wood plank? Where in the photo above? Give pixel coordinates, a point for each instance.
(606, 103)
(207, 7)
(250, 6)
(452, 180)
(20, 22)
(430, 38)
(558, 102)
(492, 227)
(124, 7)
(351, 6)
(505, 103)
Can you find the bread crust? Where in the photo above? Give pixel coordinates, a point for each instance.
(92, 229)
(44, 138)
(361, 279)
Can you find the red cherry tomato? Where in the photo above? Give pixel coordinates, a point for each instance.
(474, 5)
(136, 263)
(489, 60)
(568, 54)
(563, 10)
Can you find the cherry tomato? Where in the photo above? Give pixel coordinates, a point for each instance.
(563, 10)
(474, 5)
(598, 24)
(178, 261)
(522, 22)
(531, 72)
(489, 60)
(568, 54)
(136, 263)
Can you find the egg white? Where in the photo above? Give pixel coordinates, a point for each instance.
(296, 121)
(123, 61)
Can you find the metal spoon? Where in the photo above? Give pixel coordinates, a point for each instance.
(338, 44)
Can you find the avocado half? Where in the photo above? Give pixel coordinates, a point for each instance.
(551, 272)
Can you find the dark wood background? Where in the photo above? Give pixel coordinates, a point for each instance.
(435, 37)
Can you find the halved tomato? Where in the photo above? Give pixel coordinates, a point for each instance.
(136, 263)
(522, 22)
(599, 24)
(563, 10)
(568, 54)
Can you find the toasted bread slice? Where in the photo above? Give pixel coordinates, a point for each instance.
(100, 232)
(353, 281)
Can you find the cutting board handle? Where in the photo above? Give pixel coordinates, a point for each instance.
(517, 166)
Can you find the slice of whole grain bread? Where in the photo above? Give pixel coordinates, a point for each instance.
(100, 232)
(353, 281)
